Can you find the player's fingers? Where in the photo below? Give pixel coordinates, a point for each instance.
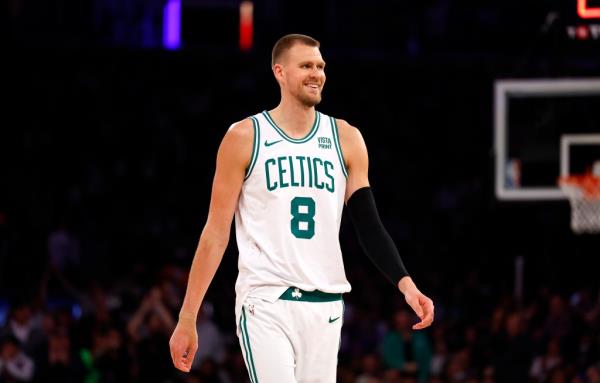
(189, 356)
(426, 322)
(419, 326)
(428, 315)
(413, 302)
(178, 353)
(429, 312)
(180, 362)
(185, 362)
(173, 350)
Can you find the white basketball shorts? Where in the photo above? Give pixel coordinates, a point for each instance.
(295, 339)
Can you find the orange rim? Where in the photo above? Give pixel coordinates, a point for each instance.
(588, 183)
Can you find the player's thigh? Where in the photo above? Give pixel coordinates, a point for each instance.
(267, 350)
(320, 342)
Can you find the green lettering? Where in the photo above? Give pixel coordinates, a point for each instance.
(316, 169)
(269, 186)
(310, 172)
(330, 186)
(281, 171)
(301, 159)
(292, 181)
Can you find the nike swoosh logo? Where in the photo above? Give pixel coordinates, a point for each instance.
(272, 143)
(333, 320)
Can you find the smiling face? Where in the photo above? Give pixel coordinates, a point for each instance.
(301, 74)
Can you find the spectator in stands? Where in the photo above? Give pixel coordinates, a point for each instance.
(62, 363)
(15, 365)
(439, 359)
(593, 374)
(63, 250)
(559, 321)
(150, 328)
(109, 355)
(543, 364)
(370, 368)
(512, 351)
(24, 326)
(406, 350)
(213, 343)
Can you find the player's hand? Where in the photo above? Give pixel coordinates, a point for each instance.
(419, 302)
(184, 343)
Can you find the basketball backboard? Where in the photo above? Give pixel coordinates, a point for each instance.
(544, 128)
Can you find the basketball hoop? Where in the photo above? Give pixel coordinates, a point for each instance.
(583, 192)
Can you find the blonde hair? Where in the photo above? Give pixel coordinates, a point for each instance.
(288, 41)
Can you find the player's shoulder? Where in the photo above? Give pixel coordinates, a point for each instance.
(351, 141)
(242, 128)
(238, 140)
(347, 132)
(240, 132)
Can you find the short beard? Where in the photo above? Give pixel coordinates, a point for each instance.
(309, 102)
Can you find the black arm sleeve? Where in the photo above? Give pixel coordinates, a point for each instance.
(372, 236)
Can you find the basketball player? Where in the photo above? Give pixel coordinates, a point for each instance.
(286, 175)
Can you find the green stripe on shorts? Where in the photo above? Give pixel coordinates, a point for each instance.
(243, 338)
(249, 357)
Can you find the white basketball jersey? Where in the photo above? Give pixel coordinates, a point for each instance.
(289, 211)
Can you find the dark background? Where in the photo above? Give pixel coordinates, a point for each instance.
(107, 133)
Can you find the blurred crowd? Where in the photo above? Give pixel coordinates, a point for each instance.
(76, 329)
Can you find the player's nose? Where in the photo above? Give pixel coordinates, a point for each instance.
(317, 77)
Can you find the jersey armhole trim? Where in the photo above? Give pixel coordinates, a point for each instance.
(255, 147)
(338, 147)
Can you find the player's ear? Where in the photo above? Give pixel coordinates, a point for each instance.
(278, 72)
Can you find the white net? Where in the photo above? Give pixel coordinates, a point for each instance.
(584, 197)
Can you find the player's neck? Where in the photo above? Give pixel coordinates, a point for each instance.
(295, 119)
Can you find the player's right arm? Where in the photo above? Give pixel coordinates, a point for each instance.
(233, 158)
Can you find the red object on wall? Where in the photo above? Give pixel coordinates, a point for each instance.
(246, 25)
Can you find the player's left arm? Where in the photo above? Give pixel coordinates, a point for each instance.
(372, 235)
